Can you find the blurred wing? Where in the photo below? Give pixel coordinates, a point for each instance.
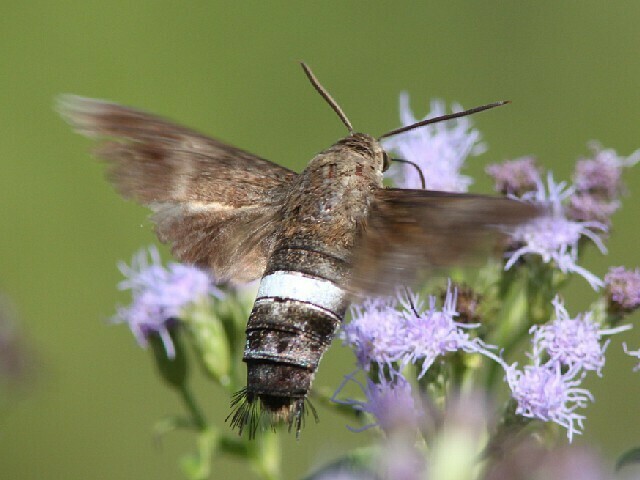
(218, 205)
(410, 230)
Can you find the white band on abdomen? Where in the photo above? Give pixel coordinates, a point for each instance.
(295, 286)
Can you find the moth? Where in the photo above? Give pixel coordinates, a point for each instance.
(316, 239)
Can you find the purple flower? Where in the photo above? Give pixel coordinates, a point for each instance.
(430, 333)
(602, 174)
(573, 342)
(515, 177)
(375, 331)
(554, 237)
(598, 184)
(623, 288)
(390, 402)
(440, 150)
(545, 393)
(160, 295)
(585, 207)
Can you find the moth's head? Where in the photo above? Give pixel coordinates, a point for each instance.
(360, 143)
(367, 147)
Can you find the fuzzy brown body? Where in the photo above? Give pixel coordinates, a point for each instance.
(323, 217)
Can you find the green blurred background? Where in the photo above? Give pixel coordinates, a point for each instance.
(230, 69)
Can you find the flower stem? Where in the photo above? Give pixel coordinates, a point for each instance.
(198, 417)
(267, 456)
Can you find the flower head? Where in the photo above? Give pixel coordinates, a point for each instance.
(375, 331)
(623, 289)
(515, 177)
(598, 184)
(585, 207)
(601, 174)
(390, 402)
(553, 236)
(573, 342)
(439, 150)
(545, 393)
(430, 332)
(159, 295)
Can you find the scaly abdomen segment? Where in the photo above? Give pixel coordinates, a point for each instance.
(299, 306)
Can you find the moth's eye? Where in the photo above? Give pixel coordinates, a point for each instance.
(385, 162)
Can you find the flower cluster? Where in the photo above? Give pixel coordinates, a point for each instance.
(402, 330)
(399, 331)
(160, 295)
(582, 210)
(563, 351)
(394, 332)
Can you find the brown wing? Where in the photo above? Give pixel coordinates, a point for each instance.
(218, 205)
(409, 230)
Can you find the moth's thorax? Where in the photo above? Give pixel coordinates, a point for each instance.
(329, 201)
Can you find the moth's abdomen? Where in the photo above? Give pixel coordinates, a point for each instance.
(299, 306)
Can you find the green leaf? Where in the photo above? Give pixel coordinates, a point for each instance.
(198, 466)
(630, 457)
(172, 370)
(211, 342)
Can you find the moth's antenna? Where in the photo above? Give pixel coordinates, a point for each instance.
(332, 103)
(442, 118)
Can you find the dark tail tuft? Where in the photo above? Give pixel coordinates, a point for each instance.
(252, 411)
(244, 413)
